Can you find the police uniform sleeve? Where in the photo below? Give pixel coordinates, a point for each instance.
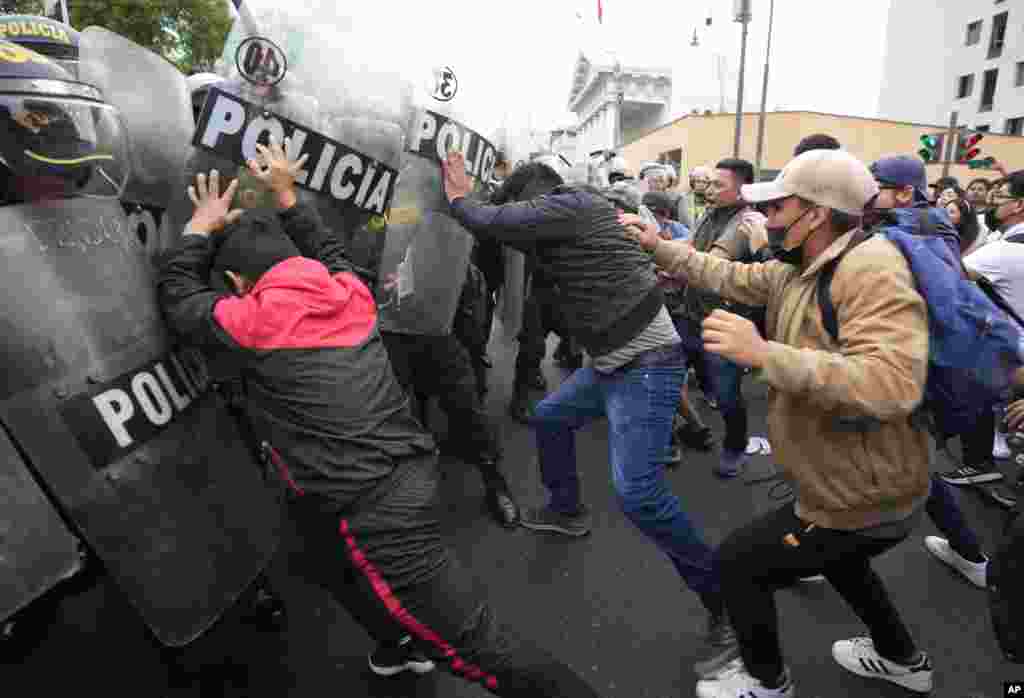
(185, 295)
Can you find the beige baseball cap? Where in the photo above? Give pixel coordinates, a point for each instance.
(832, 178)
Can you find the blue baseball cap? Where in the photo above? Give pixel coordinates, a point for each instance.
(902, 171)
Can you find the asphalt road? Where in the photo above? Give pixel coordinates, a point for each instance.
(610, 604)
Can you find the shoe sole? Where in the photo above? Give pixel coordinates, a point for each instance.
(941, 554)
(911, 682)
(974, 479)
(552, 528)
(415, 667)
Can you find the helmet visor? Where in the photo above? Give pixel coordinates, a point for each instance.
(62, 147)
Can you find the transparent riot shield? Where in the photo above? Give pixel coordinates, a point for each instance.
(36, 549)
(121, 426)
(153, 100)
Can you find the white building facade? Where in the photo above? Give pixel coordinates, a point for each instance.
(647, 98)
(946, 56)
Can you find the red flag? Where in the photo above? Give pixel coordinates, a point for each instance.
(600, 12)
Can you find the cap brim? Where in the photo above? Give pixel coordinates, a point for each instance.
(763, 191)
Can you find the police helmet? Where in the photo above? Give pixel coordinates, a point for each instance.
(47, 37)
(58, 138)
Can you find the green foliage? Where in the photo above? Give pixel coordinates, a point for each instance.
(22, 7)
(188, 33)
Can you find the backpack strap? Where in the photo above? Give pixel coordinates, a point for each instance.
(828, 270)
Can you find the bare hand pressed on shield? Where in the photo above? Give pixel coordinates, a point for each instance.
(272, 167)
(456, 182)
(212, 209)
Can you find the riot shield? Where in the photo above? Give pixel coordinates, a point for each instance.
(139, 454)
(512, 299)
(36, 548)
(153, 100)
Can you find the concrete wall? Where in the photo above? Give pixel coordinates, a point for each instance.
(707, 139)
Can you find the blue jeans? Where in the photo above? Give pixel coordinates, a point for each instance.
(722, 379)
(639, 400)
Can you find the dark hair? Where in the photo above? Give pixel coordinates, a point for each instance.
(658, 201)
(945, 183)
(500, 159)
(816, 141)
(527, 182)
(968, 227)
(742, 169)
(253, 244)
(981, 180)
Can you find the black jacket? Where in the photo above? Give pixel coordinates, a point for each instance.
(607, 283)
(320, 387)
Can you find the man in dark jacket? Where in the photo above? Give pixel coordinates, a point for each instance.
(613, 306)
(732, 230)
(362, 475)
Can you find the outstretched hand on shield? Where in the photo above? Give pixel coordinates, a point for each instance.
(212, 209)
(456, 182)
(272, 167)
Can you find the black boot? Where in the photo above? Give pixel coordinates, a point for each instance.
(697, 437)
(500, 504)
(521, 406)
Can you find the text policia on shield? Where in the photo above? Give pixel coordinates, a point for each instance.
(231, 127)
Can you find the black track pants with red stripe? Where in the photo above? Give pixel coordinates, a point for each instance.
(388, 566)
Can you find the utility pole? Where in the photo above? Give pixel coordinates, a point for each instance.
(742, 16)
(764, 95)
(950, 147)
(619, 98)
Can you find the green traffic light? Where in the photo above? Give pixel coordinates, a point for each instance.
(926, 154)
(930, 142)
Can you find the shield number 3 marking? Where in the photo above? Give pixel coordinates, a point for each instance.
(446, 84)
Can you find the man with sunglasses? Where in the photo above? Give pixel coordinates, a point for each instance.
(858, 492)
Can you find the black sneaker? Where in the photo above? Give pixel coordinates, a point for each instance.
(699, 438)
(545, 519)
(973, 474)
(389, 661)
(720, 647)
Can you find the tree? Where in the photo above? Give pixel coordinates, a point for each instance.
(22, 7)
(188, 33)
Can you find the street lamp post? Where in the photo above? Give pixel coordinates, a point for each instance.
(764, 95)
(619, 98)
(742, 16)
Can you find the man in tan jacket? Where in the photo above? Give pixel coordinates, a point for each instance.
(839, 417)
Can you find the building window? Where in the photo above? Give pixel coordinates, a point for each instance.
(1015, 127)
(985, 128)
(1019, 81)
(995, 44)
(988, 90)
(965, 86)
(973, 33)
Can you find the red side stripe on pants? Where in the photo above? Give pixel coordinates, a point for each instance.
(406, 619)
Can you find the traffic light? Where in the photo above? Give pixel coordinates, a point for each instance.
(967, 149)
(931, 147)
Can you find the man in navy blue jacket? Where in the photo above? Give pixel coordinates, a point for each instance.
(613, 306)
(361, 471)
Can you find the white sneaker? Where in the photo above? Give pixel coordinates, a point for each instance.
(813, 579)
(999, 448)
(859, 656)
(975, 572)
(734, 682)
